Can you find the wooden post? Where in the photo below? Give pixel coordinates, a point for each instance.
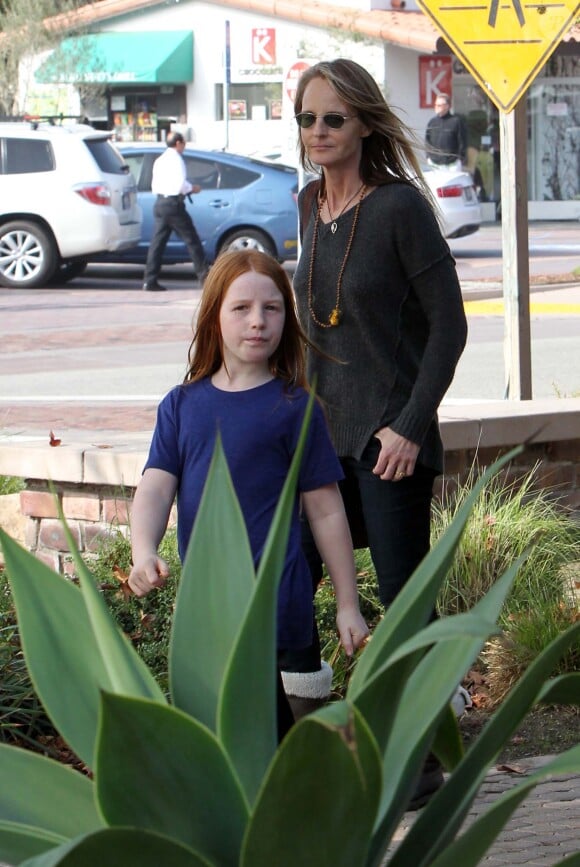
(516, 270)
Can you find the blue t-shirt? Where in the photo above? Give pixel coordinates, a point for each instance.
(259, 428)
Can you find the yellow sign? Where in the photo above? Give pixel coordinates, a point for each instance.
(503, 43)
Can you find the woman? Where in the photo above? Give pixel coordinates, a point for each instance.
(378, 292)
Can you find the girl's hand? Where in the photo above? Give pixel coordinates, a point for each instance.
(150, 573)
(397, 456)
(352, 629)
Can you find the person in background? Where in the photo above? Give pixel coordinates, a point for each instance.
(170, 184)
(446, 136)
(246, 381)
(378, 294)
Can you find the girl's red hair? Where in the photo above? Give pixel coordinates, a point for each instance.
(205, 354)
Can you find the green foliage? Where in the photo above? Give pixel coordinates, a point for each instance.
(200, 781)
(22, 717)
(509, 518)
(147, 621)
(10, 485)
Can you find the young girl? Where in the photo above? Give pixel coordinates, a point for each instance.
(246, 379)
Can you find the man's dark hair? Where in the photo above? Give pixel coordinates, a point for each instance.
(174, 138)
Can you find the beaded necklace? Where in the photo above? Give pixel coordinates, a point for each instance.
(334, 318)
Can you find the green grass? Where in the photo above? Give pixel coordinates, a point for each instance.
(11, 485)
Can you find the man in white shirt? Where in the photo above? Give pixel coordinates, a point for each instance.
(170, 184)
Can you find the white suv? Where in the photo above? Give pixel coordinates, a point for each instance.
(65, 194)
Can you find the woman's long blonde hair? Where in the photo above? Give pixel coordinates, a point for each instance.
(205, 355)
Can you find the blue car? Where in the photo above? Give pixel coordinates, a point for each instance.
(243, 203)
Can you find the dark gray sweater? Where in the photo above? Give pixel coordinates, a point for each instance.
(402, 327)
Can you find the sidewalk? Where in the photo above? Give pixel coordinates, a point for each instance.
(543, 830)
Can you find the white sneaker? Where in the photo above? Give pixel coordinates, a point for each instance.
(461, 701)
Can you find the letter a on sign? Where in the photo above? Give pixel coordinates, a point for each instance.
(264, 45)
(504, 45)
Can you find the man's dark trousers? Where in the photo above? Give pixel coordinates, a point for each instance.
(171, 216)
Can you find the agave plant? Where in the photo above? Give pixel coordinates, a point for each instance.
(198, 779)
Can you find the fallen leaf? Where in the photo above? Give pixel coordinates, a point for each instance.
(512, 769)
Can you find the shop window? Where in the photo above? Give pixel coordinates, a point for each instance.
(250, 101)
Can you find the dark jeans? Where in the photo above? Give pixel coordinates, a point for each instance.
(171, 216)
(392, 519)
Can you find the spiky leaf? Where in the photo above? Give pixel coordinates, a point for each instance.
(161, 770)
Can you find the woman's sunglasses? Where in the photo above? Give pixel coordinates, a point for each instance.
(307, 119)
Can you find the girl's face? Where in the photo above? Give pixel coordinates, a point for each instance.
(331, 148)
(251, 321)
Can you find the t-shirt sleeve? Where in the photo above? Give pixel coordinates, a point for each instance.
(320, 464)
(164, 448)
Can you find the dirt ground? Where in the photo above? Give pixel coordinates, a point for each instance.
(545, 731)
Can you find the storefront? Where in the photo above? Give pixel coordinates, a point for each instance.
(131, 82)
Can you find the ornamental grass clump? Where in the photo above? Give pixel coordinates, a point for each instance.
(508, 519)
(197, 779)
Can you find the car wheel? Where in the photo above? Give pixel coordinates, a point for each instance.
(248, 239)
(28, 256)
(68, 270)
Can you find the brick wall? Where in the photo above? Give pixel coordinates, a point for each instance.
(93, 511)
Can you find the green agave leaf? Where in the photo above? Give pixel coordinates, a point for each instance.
(469, 849)
(438, 823)
(381, 685)
(570, 861)
(564, 689)
(160, 770)
(42, 793)
(120, 847)
(448, 744)
(247, 713)
(18, 841)
(412, 608)
(318, 802)
(126, 670)
(61, 653)
(423, 704)
(379, 699)
(218, 579)
(67, 661)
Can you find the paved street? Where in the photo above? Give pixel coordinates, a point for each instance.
(100, 342)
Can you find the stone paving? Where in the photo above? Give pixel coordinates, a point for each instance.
(544, 829)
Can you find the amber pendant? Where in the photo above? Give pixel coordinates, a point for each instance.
(334, 317)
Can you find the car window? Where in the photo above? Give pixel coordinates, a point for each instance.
(234, 177)
(206, 173)
(135, 163)
(25, 155)
(106, 156)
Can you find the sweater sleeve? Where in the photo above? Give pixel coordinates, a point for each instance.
(439, 295)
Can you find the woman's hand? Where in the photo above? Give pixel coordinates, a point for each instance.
(397, 456)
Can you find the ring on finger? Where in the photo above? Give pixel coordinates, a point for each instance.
(400, 474)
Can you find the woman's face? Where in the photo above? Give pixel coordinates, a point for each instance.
(331, 148)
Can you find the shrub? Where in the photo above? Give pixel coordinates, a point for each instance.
(509, 518)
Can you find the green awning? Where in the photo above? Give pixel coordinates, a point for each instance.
(162, 57)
